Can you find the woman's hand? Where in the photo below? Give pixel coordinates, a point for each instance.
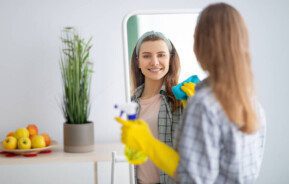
(189, 89)
(137, 135)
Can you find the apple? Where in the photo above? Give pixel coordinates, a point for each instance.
(21, 132)
(38, 141)
(46, 138)
(11, 133)
(24, 143)
(32, 129)
(31, 137)
(10, 143)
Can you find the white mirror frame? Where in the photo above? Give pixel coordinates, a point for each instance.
(125, 40)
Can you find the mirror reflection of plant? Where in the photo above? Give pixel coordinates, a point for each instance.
(76, 73)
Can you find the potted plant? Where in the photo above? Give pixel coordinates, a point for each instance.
(76, 70)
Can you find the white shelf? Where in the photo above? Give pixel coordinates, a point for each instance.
(59, 167)
(102, 152)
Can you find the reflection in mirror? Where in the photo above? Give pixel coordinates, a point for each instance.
(178, 27)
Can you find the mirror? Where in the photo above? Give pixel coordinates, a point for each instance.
(178, 26)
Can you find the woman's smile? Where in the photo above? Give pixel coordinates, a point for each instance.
(155, 70)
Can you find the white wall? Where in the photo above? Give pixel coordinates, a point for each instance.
(30, 77)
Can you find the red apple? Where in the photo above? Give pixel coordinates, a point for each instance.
(31, 137)
(46, 138)
(11, 133)
(33, 129)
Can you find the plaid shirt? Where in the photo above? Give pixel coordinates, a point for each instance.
(212, 149)
(168, 122)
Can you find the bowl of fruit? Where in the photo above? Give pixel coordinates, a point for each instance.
(27, 141)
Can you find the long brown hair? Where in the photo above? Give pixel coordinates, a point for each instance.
(222, 48)
(170, 79)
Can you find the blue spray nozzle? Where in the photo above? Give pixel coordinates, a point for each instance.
(178, 92)
(129, 108)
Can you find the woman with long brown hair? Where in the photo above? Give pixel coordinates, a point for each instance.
(221, 139)
(155, 69)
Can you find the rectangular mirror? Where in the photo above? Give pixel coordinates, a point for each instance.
(178, 26)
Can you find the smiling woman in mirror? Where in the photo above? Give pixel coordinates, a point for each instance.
(155, 69)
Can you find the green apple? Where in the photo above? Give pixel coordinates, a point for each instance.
(24, 143)
(21, 132)
(10, 143)
(38, 141)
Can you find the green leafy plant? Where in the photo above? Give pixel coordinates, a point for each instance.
(76, 73)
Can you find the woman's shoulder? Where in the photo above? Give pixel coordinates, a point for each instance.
(204, 99)
(203, 95)
(137, 93)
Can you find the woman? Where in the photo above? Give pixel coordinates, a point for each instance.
(155, 69)
(222, 136)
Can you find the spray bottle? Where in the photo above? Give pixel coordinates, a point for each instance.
(133, 156)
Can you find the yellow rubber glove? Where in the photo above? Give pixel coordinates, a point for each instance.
(134, 156)
(137, 135)
(189, 89)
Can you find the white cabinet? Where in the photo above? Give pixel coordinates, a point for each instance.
(56, 173)
(63, 168)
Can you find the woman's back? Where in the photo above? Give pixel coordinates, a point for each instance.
(213, 149)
